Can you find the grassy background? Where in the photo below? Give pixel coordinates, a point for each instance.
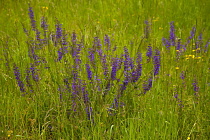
(155, 115)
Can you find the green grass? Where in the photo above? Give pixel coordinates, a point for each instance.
(43, 114)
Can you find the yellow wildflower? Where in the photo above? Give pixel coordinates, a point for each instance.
(188, 138)
(198, 57)
(45, 8)
(177, 68)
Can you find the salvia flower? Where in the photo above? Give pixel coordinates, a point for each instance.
(199, 42)
(74, 38)
(89, 72)
(59, 30)
(166, 43)
(74, 95)
(91, 56)
(100, 52)
(176, 96)
(149, 53)
(147, 85)
(33, 21)
(64, 40)
(67, 84)
(172, 33)
(60, 55)
(34, 73)
(107, 42)
(195, 87)
(182, 75)
(28, 75)
(128, 62)
(137, 72)
(89, 112)
(44, 24)
(18, 79)
(105, 66)
(114, 68)
(96, 42)
(38, 38)
(206, 46)
(178, 46)
(115, 105)
(178, 49)
(156, 61)
(192, 34)
(125, 83)
(62, 52)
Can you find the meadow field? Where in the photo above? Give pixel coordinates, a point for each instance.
(104, 70)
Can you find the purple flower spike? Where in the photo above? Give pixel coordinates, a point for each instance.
(107, 42)
(28, 83)
(89, 72)
(156, 62)
(147, 85)
(96, 43)
(114, 68)
(178, 47)
(91, 56)
(128, 62)
(89, 112)
(105, 67)
(44, 24)
(34, 73)
(74, 39)
(38, 36)
(137, 72)
(176, 96)
(206, 46)
(196, 87)
(33, 21)
(182, 75)
(166, 43)
(192, 33)
(60, 55)
(59, 30)
(18, 76)
(149, 53)
(172, 33)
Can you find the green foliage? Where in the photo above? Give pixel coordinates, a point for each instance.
(176, 106)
